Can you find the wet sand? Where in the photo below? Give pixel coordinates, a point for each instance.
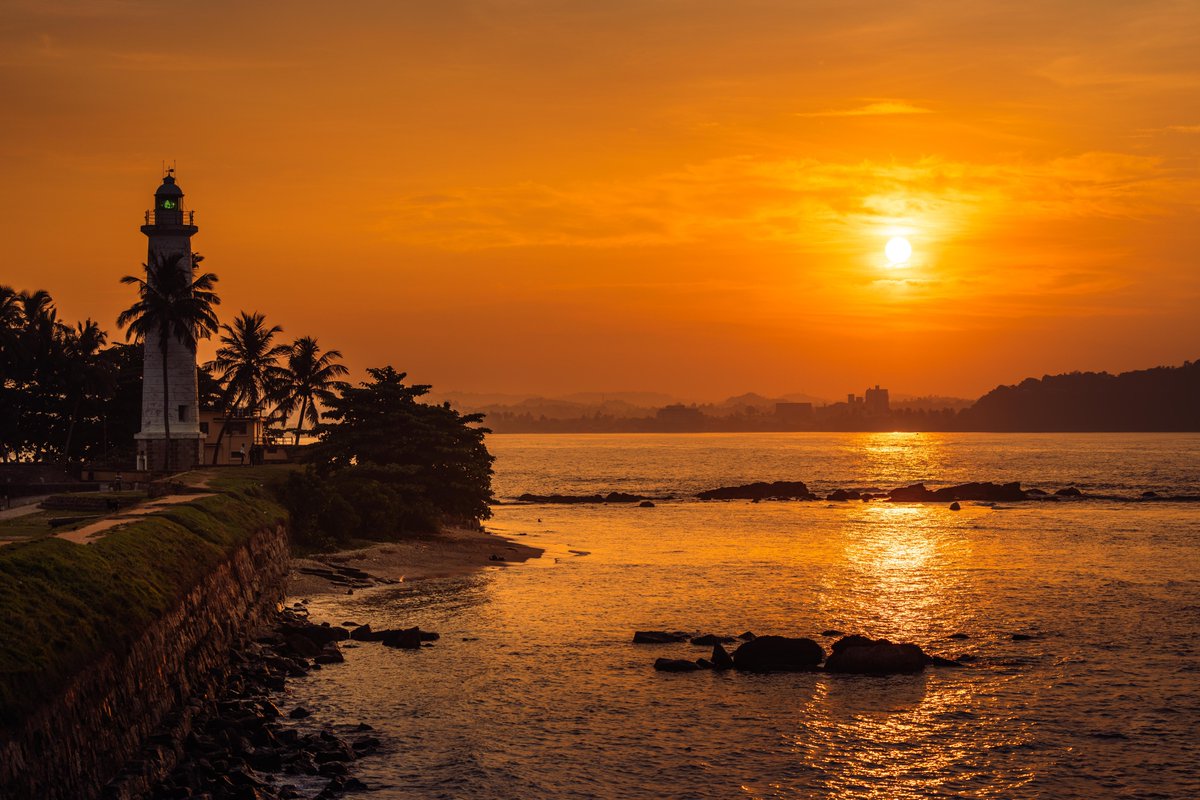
(454, 551)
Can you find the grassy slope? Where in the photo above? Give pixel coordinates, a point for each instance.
(64, 605)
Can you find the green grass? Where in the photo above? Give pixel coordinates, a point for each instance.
(64, 605)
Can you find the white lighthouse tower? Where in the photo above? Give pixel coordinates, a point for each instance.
(169, 229)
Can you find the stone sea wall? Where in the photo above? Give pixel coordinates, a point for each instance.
(80, 740)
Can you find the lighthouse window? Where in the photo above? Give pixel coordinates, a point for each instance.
(168, 204)
(183, 413)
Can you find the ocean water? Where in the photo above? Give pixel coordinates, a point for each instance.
(536, 691)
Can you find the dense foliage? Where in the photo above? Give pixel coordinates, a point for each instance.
(1159, 399)
(58, 383)
(387, 465)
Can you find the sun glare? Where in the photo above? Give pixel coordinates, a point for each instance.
(898, 250)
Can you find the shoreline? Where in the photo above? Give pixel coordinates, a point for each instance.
(452, 551)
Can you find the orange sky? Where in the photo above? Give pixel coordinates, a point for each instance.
(688, 197)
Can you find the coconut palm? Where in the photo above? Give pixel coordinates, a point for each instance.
(247, 366)
(310, 378)
(172, 309)
(84, 371)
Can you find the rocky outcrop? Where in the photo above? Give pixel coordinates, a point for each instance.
(918, 493)
(778, 654)
(570, 499)
(860, 655)
(777, 490)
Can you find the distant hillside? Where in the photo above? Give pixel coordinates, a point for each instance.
(1159, 399)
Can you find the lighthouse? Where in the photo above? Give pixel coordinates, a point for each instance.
(169, 230)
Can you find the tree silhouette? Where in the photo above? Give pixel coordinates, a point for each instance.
(247, 367)
(171, 308)
(310, 378)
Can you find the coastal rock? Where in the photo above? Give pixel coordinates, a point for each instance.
(646, 504)
(955, 506)
(573, 499)
(939, 661)
(675, 665)
(778, 654)
(842, 495)
(746, 636)
(1020, 637)
(659, 637)
(319, 635)
(362, 633)
(711, 639)
(720, 658)
(704, 663)
(958, 636)
(863, 656)
(1070, 491)
(919, 493)
(300, 712)
(778, 490)
(831, 632)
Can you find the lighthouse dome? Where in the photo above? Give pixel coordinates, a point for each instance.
(168, 188)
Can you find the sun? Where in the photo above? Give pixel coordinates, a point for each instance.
(897, 250)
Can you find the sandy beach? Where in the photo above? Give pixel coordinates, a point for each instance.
(454, 551)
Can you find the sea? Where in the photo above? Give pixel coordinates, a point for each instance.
(536, 689)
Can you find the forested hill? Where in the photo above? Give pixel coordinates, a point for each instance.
(1159, 399)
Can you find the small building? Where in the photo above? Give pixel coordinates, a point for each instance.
(244, 440)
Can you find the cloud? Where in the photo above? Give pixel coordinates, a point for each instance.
(877, 109)
(817, 206)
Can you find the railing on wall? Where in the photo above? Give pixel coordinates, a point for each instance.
(172, 217)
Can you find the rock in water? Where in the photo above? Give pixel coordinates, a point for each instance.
(863, 656)
(675, 665)
(721, 658)
(711, 638)
(646, 504)
(955, 506)
(778, 654)
(658, 637)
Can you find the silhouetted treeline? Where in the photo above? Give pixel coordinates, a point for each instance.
(1159, 399)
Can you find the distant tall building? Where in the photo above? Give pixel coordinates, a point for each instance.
(876, 401)
(170, 236)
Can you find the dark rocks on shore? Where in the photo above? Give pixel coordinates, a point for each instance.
(778, 654)
(993, 492)
(659, 637)
(241, 745)
(955, 506)
(1020, 637)
(1070, 491)
(720, 658)
(831, 632)
(842, 495)
(777, 490)
(746, 636)
(863, 656)
(711, 639)
(570, 499)
(646, 504)
(675, 665)
(958, 636)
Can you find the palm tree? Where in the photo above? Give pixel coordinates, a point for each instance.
(310, 377)
(171, 307)
(247, 364)
(84, 371)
